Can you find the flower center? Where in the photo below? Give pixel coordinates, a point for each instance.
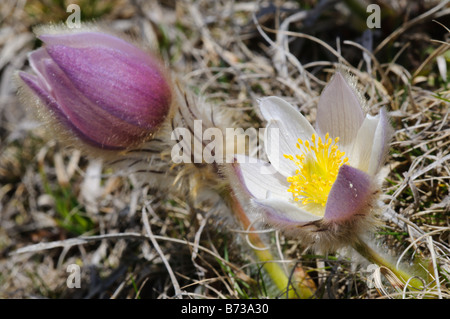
(318, 166)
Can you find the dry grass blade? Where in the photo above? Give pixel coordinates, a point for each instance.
(67, 243)
(148, 230)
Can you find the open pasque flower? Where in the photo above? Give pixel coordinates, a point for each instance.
(106, 91)
(323, 185)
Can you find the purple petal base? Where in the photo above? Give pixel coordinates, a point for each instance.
(350, 195)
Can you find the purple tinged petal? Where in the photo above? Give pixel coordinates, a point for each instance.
(284, 214)
(36, 59)
(380, 148)
(359, 157)
(118, 82)
(372, 143)
(350, 195)
(36, 85)
(95, 39)
(287, 217)
(89, 122)
(339, 111)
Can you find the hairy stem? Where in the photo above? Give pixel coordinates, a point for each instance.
(404, 276)
(303, 287)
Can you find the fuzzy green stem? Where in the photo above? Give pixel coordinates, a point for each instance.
(371, 255)
(302, 288)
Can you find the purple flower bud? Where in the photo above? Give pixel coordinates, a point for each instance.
(110, 93)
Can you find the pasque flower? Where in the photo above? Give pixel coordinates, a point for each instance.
(105, 90)
(324, 184)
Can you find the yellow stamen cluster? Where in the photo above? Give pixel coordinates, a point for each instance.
(318, 166)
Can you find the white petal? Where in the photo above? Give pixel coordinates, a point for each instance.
(276, 144)
(359, 156)
(283, 211)
(260, 179)
(380, 143)
(339, 111)
(442, 67)
(274, 108)
(285, 126)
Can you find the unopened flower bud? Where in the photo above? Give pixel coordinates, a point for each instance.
(108, 92)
